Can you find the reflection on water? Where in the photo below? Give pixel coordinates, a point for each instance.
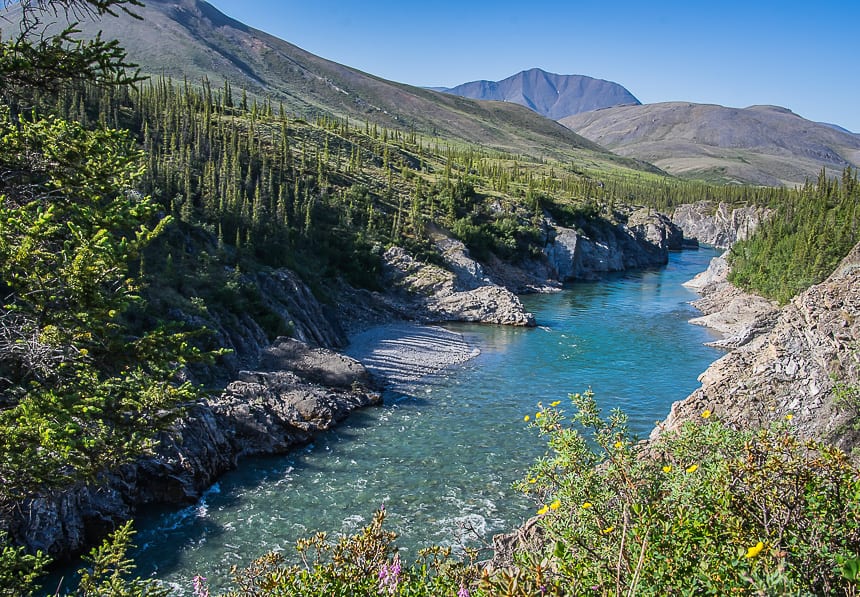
(442, 452)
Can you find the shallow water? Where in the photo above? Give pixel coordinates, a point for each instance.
(442, 452)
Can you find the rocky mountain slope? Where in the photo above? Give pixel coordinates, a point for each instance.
(789, 367)
(764, 145)
(192, 40)
(551, 95)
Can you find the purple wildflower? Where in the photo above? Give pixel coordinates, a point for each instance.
(200, 588)
(463, 592)
(389, 576)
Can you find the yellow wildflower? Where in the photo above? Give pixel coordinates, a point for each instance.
(543, 510)
(84, 351)
(556, 403)
(555, 505)
(755, 549)
(619, 445)
(608, 530)
(789, 417)
(586, 505)
(538, 415)
(667, 469)
(527, 418)
(692, 468)
(532, 480)
(706, 413)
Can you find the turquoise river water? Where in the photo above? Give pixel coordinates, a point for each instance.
(442, 453)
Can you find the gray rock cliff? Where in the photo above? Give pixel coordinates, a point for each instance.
(643, 241)
(791, 367)
(719, 226)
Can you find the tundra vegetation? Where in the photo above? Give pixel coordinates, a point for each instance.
(107, 178)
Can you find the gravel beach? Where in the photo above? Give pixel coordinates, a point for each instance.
(404, 352)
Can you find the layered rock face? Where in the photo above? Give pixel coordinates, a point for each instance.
(719, 226)
(792, 368)
(644, 241)
(262, 412)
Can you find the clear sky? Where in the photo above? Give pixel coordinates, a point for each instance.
(801, 55)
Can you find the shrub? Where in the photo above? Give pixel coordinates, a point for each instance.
(704, 509)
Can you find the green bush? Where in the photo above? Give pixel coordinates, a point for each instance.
(706, 509)
(363, 564)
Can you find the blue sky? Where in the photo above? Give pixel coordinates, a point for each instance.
(804, 56)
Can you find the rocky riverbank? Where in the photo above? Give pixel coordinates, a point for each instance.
(297, 392)
(280, 395)
(737, 315)
(788, 361)
(401, 353)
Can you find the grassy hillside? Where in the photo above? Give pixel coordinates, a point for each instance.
(763, 145)
(192, 40)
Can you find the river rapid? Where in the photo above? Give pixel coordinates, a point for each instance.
(443, 451)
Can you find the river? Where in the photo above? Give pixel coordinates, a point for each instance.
(442, 453)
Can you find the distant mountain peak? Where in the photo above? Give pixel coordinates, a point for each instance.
(549, 94)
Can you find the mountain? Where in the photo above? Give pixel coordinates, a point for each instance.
(554, 96)
(191, 39)
(838, 128)
(765, 145)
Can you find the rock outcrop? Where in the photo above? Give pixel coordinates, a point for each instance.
(287, 303)
(643, 241)
(262, 412)
(719, 226)
(429, 293)
(737, 315)
(790, 369)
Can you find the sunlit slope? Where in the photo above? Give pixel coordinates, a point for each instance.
(760, 145)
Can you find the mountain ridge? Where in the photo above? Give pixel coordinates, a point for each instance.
(760, 144)
(549, 94)
(193, 40)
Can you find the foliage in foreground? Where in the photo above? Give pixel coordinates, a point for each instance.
(106, 571)
(704, 510)
(708, 510)
(84, 381)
